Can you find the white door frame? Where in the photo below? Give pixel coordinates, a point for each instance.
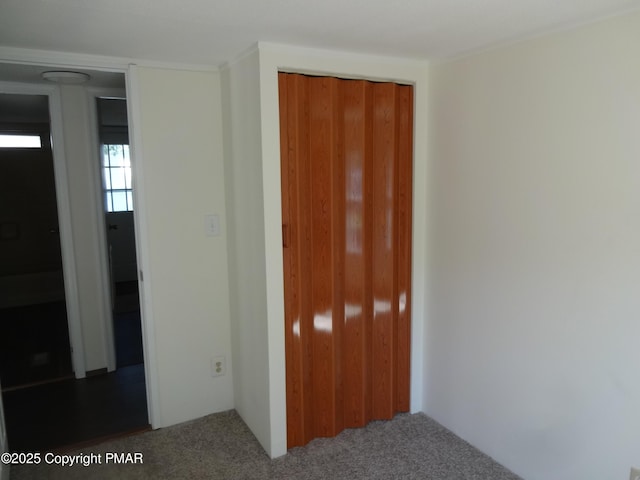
(64, 216)
(142, 246)
(96, 174)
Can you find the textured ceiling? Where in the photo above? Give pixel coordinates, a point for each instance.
(214, 31)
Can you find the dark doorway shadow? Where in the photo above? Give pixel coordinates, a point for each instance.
(34, 345)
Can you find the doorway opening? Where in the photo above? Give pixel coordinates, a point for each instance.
(117, 194)
(98, 397)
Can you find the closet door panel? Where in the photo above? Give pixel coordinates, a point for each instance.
(346, 207)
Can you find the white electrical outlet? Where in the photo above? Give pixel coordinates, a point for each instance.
(218, 366)
(635, 474)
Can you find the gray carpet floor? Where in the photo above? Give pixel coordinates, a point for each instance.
(220, 446)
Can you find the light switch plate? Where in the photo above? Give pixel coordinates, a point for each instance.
(212, 225)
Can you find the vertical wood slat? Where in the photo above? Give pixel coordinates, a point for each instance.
(295, 209)
(356, 354)
(404, 233)
(346, 180)
(383, 260)
(323, 141)
(288, 119)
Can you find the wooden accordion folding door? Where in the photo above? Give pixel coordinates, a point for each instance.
(346, 165)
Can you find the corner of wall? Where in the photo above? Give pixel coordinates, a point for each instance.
(246, 246)
(229, 180)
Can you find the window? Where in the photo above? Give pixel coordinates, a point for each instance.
(20, 141)
(117, 178)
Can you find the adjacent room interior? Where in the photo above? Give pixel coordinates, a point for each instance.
(49, 401)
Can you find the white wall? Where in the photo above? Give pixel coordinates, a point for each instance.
(243, 169)
(253, 166)
(532, 339)
(81, 160)
(177, 129)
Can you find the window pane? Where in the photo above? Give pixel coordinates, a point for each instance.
(105, 155)
(117, 179)
(127, 177)
(119, 201)
(115, 155)
(107, 179)
(125, 156)
(108, 202)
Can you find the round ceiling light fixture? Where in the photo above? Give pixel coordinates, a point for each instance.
(66, 77)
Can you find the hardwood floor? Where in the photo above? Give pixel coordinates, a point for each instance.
(45, 407)
(70, 412)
